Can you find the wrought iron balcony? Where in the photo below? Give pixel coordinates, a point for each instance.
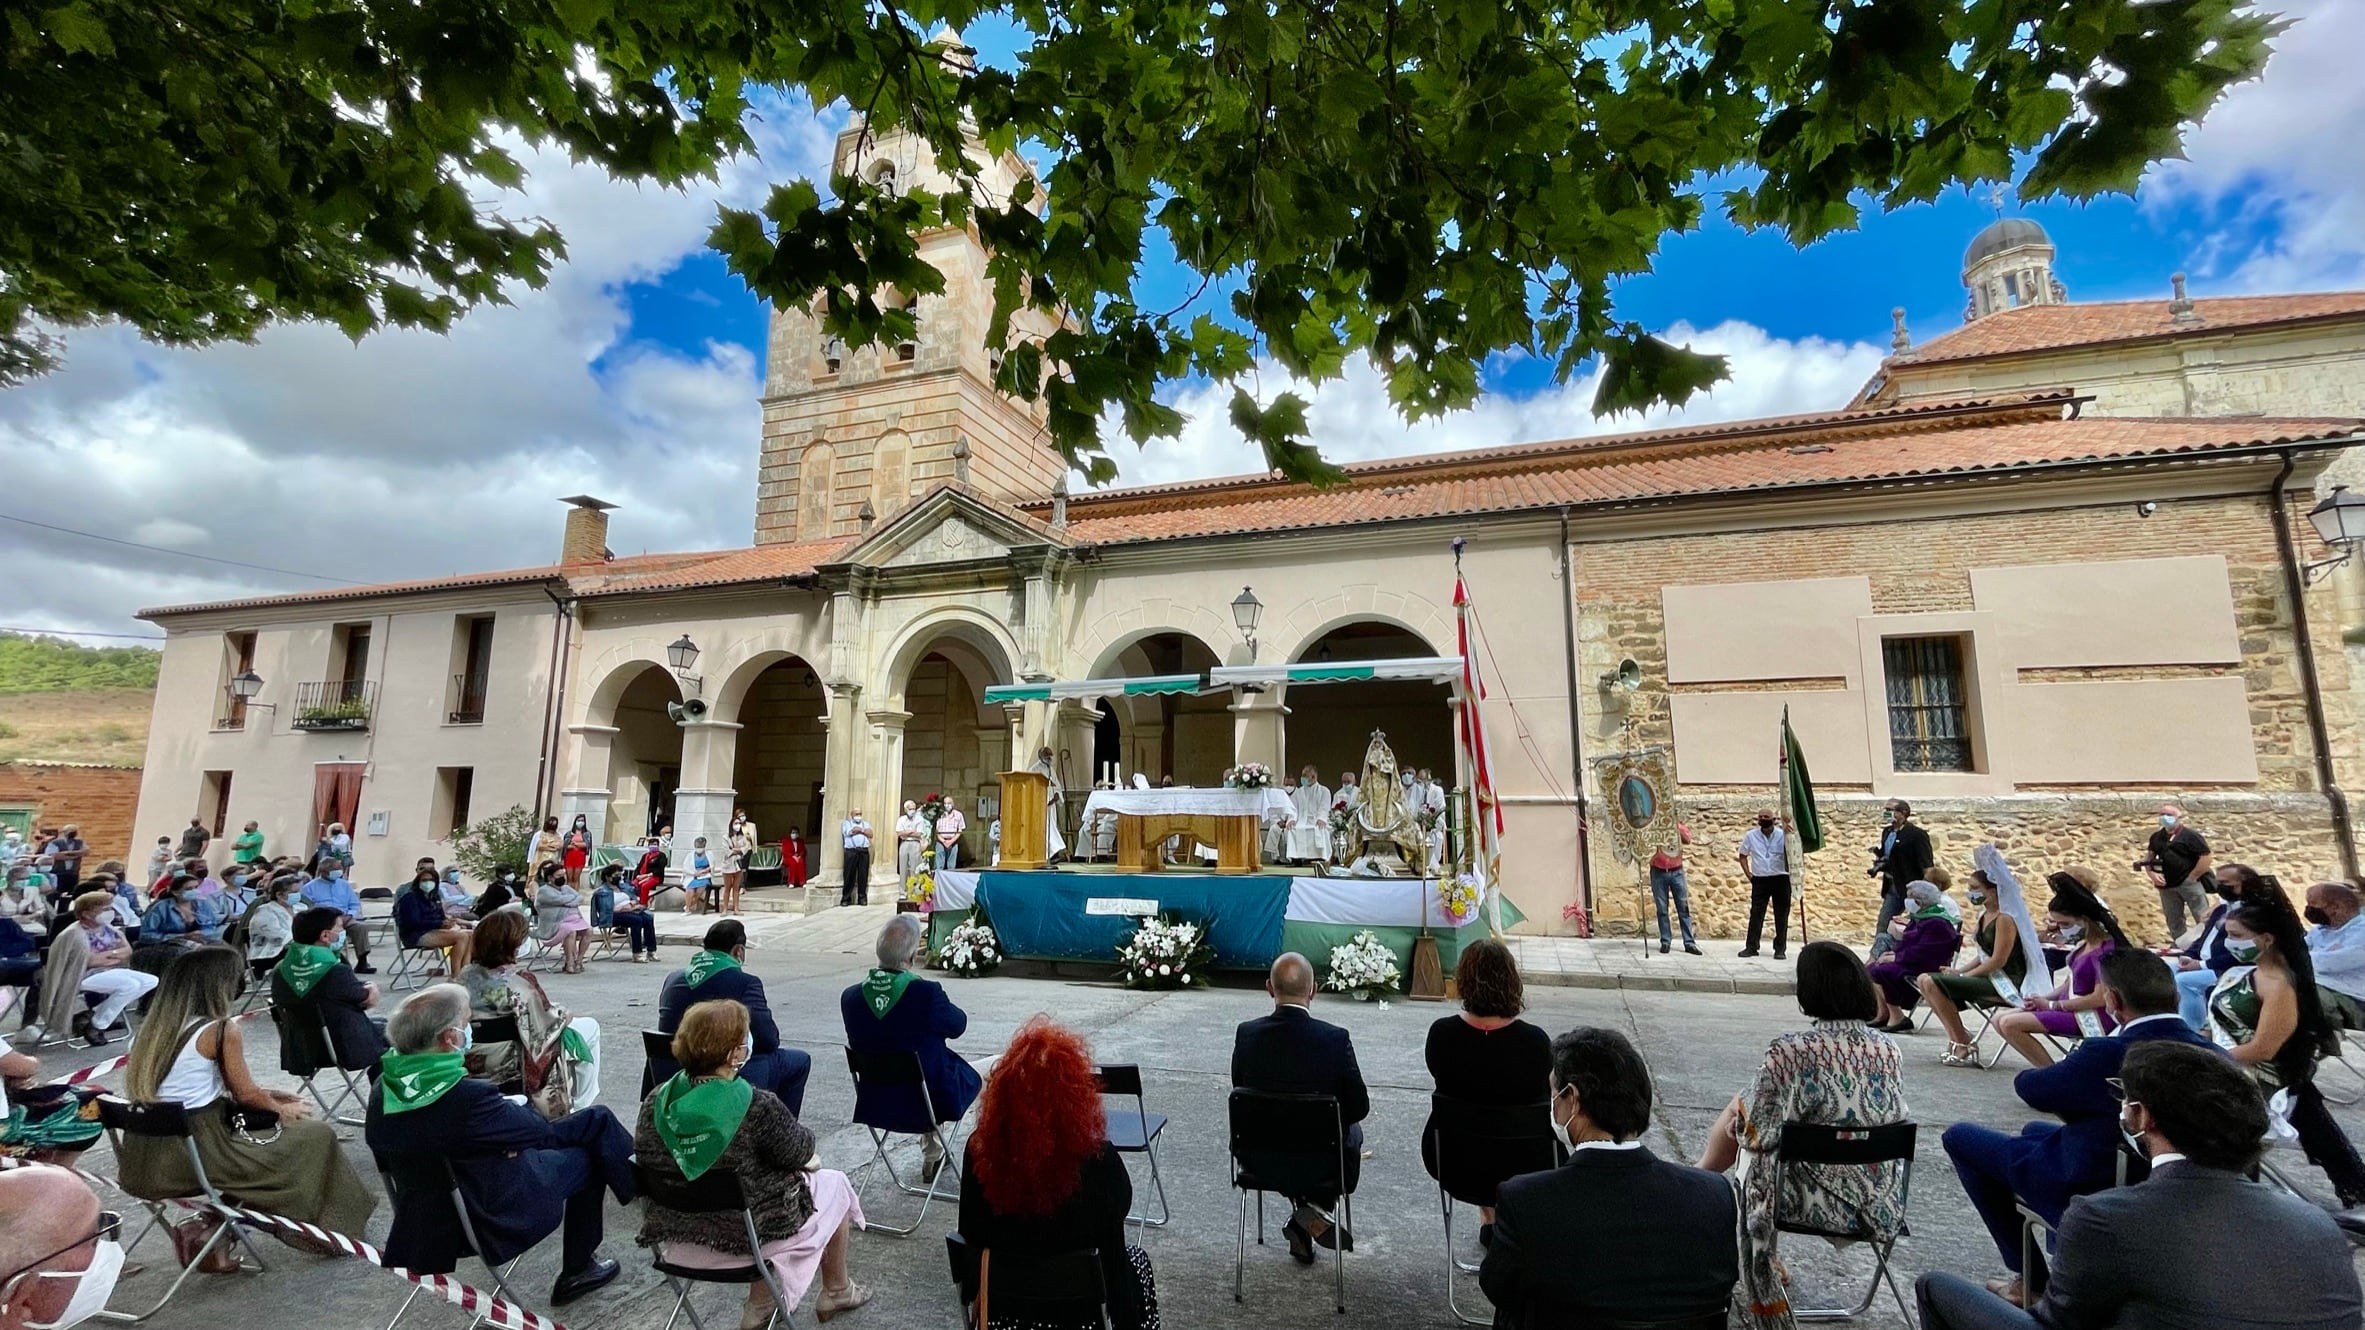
(335, 704)
(470, 691)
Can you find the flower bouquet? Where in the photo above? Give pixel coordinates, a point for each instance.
(1164, 951)
(972, 948)
(1249, 776)
(1458, 897)
(932, 809)
(920, 889)
(1364, 968)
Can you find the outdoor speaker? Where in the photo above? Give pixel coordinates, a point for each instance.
(1625, 679)
(682, 711)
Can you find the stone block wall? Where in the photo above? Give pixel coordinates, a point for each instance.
(100, 800)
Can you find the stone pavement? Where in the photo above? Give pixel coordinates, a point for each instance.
(1703, 1048)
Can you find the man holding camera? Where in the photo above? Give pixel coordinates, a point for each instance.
(2178, 865)
(1902, 857)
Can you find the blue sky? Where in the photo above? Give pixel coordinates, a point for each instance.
(635, 374)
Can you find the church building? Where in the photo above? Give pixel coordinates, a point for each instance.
(2045, 572)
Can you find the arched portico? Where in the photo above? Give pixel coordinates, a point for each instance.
(934, 732)
(627, 752)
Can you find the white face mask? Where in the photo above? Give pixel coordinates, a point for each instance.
(746, 1047)
(1564, 1130)
(93, 1286)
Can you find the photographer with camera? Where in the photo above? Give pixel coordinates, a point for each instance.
(2178, 863)
(1902, 856)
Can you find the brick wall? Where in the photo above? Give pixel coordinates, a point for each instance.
(100, 800)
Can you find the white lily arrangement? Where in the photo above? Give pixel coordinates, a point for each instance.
(1363, 968)
(973, 948)
(1166, 952)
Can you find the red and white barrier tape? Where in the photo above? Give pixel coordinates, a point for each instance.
(495, 1310)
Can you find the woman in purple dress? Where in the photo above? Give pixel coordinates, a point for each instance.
(1926, 941)
(2092, 932)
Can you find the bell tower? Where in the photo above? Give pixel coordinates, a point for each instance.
(852, 436)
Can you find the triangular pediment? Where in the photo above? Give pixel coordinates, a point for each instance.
(949, 525)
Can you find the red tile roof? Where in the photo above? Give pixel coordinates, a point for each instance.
(760, 563)
(2033, 328)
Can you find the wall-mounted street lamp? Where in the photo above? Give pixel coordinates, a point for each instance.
(1246, 611)
(2340, 523)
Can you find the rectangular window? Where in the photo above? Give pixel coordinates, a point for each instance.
(238, 656)
(1929, 714)
(213, 801)
(473, 652)
(350, 663)
(454, 787)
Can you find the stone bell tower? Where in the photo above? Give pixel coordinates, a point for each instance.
(851, 436)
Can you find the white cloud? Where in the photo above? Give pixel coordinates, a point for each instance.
(1351, 419)
(410, 454)
(2285, 153)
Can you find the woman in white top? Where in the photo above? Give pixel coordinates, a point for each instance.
(271, 925)
(19, 900)
(189, 1053)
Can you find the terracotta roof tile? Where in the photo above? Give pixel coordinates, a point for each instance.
(759, 563)
(2052, 327)
(1581, 476)
(422, 586)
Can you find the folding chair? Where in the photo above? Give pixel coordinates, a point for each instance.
(657, 1064)
(1286, 1130)
(891, 1072)
(1474, 1148)
(1821, 1144)
(165, 1121)
(716, 1191)
(258, 985)
(1136, 1132)
(423, 1178)
(306, 1049)
(411, 966)
(1059, 1289)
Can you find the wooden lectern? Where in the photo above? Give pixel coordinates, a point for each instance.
(1026, 796)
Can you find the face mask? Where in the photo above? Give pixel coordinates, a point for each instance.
(2167, 820)
(2244, 950)
(336, 875)
(2316, 916)
(94, 1285)
(467, 1038)
(1978, 898)
(1765, 824)
(746, 1047)
(2072, 932)
(1565, 1130)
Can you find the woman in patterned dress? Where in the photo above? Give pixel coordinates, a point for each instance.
(1838, 1072)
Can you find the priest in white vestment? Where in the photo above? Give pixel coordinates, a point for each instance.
(1309, 835)
(1055, 803)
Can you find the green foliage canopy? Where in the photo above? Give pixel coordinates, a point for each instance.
(55, 665)
(1423, 184)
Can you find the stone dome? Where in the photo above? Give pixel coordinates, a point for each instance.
(2003, 234)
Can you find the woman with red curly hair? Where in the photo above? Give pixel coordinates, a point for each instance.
(1041, 1177)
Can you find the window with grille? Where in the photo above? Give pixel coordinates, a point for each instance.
(1929, 726)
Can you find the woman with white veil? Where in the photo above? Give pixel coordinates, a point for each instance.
(2009, 960)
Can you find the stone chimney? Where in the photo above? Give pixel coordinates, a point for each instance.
(586, 540)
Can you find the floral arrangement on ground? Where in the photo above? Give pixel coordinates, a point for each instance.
(1166, 951)
(1249, 776)
(972, 949)
(1459, 896)
(1363, 968)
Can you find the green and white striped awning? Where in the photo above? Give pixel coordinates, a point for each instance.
(1056, 691)
(1433, 669)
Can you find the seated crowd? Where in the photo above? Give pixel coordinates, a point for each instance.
(2155, 1123)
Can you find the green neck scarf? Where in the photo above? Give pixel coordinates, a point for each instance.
(303, 965)
(415, 1080)
(697, 1119)
(882, 989)
(706, 965)
(1932, 911)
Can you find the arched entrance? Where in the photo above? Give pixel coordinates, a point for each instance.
(1330, 724)
(644, 755)
(951, 742)
(783, 749)
(1186, 737)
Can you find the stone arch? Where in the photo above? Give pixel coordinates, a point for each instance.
(618, 672)
(983, 634)
(1329, 723)
(1110, 663)
(728, 695)
(1309, 623)
(815, 475)
(1112, 633)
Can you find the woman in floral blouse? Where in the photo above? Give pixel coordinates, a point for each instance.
(1837, 1072)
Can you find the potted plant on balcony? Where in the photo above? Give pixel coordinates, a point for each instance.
(343, 714)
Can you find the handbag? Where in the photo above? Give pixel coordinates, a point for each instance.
(250, 1124)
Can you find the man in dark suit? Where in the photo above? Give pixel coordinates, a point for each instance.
(895, 1011)
(2125, 1257)
(1904, 858)
(714, 975)
(1290, 1052)
(1616, 1234)
(2048, 1163)
(313, 987)
(520, 1174)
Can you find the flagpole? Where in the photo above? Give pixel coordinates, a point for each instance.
(1798, 854)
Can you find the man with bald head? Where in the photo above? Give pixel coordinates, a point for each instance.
(2337, 945)
(1290, 1052)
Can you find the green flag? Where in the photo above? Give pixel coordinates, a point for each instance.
(1798, 792)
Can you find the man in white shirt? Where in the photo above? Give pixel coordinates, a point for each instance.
(1765, 856)
(911, 835)
(2337, 945)
(1431, 808)
(854, 839)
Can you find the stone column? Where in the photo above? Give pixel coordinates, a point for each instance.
(1257, 734)
(839, 782)
(593, 788)
(887, 794)
(702, 806)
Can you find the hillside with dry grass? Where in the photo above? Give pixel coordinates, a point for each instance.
(61, 701)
